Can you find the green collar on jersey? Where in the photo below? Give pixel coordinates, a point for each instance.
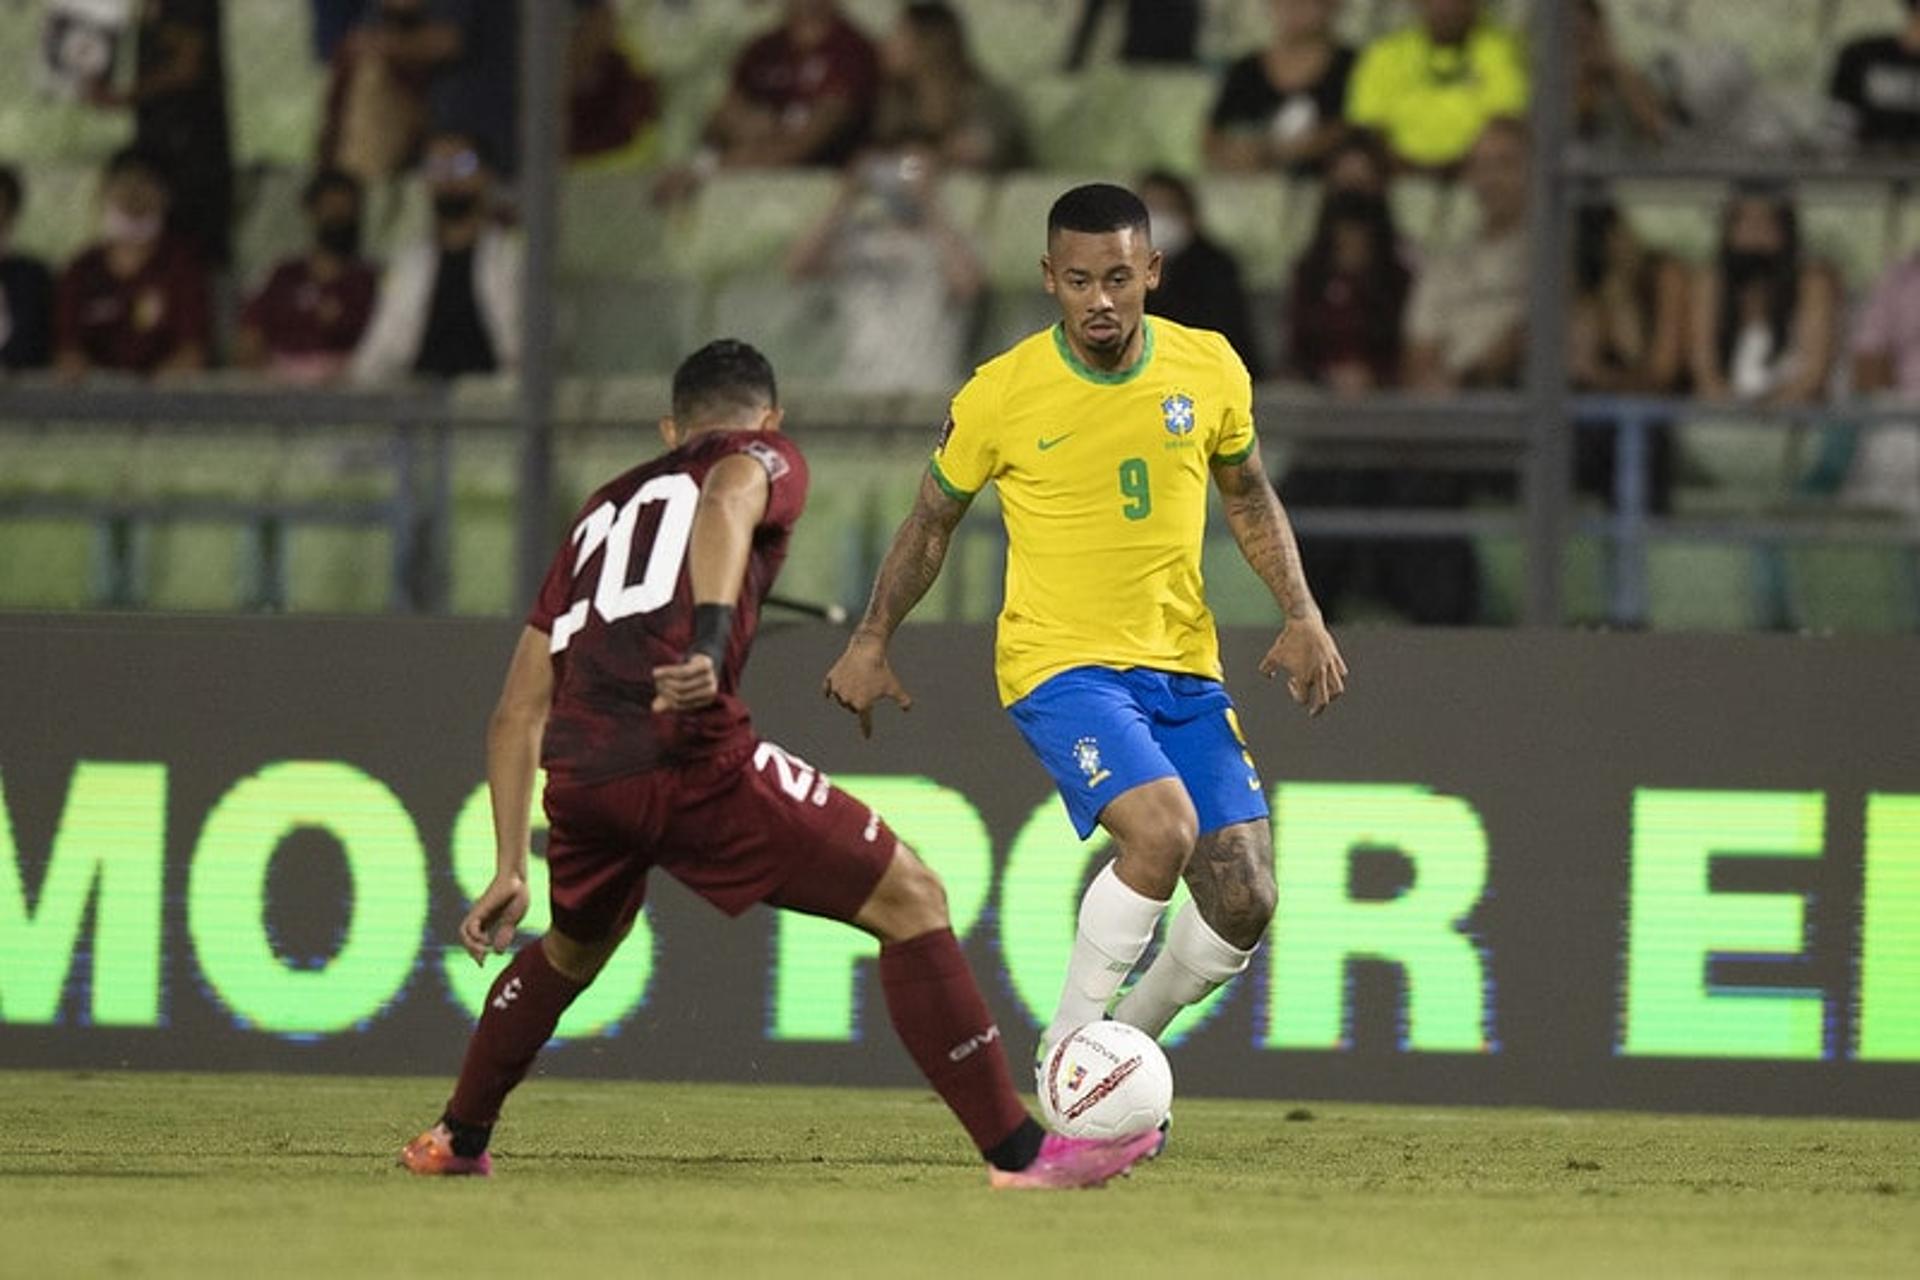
(1101, 376)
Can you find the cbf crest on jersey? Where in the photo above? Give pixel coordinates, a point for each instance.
(1177, 411)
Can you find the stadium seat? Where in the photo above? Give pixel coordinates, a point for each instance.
(1248, 214)
(1853, 227)
(1073, 118)
(615, 326)
(744, 221)
(1742, 465)
(796, 326)
(199, 565)
(276, 88)
(1012, 315)
(1693, 586)
(484, 557)
(1786, 49)
(967, 199)
(1430, 213)
(1907, 240)
(1853, 588)
(58, 220)
(1849, 20)
(610, 227)
(49, 563)
(1682, 218)
(272, 224)
(1503, 580)
(1016, 234)
(334, 569)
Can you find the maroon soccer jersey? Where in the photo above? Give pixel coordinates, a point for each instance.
(301, 315)
(139, 322)
(618, 602)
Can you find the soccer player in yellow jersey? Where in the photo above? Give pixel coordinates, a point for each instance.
(1102, 433)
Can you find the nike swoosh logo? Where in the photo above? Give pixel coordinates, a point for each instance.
(1046, 444)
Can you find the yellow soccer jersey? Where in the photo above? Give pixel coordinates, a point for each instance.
(1103, 485)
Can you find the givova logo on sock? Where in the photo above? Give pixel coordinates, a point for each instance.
(508, 994)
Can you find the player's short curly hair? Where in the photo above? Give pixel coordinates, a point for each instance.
(720, 379)
(1095, 208)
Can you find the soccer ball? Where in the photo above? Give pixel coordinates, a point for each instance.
(1105, 1080)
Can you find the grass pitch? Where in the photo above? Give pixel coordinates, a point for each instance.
(152, 1175)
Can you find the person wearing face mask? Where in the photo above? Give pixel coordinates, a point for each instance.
(137, 300)
(304, 324)
(1200, 284)
(1766, 316)
(905, 278)
(26, 290)
(449, 305)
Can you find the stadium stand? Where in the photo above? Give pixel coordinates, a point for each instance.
(637, 282)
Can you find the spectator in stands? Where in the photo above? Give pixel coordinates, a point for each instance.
(1878, 80)
(26, 290)
(1613, 101)
(1886, 362)
(905, 277)
(801, 95)
(449, 305)
(179, 101)
(1348, 299)
(332, 20)
(932, 86)
(414, 68)
(1359, 162)
(1166, 31)
(611, 106)
(1432, 88)
(1766, 316)
(137, 301)
(1627, 336)
(376, 110)
(1200, 281)
(304, 324)
(1466, 322)
(1282, 106)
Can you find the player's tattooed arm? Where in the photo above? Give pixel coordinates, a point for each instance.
(1260, 526)
(863, 676)
(1316, 673)
(913, 561)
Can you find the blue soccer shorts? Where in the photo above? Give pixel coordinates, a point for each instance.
(1102, 732)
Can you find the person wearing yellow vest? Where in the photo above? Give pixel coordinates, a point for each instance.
(1431, 88)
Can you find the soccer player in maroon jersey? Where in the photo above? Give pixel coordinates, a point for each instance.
(625, 685)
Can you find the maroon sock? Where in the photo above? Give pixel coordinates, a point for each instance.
(941, 1018)
(525, 1002)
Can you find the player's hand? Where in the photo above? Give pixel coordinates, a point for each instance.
(494, 917)
(861, 678)
(685, 686)
(1316, 673)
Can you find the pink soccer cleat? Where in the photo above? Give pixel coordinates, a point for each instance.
(1066, 1163)
(431, 1156)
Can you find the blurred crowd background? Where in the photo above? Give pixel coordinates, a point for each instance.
(1714, 226)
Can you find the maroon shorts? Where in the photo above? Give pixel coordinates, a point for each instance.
(762, 826)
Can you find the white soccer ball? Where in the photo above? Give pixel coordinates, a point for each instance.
(1105, 1080)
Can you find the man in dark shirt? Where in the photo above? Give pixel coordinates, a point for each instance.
(1199, 279)
(137, 300)
(26, 290)
(802, 94)
(305, 322)
(1878, 78)
(179, 101)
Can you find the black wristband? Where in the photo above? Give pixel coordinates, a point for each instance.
(712, 630)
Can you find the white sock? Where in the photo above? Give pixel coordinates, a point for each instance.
(1116, 924)
(1194, 963)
